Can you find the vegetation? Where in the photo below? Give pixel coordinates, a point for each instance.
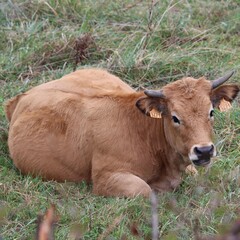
(146, 43)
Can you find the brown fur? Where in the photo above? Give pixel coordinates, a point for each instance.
(85, 126)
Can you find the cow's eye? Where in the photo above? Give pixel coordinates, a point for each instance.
(211, 113)
(175, 120)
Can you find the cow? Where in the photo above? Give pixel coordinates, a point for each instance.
(91, 126)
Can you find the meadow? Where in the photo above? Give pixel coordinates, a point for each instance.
(147, 44)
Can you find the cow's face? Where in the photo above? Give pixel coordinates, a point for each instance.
(187, 110)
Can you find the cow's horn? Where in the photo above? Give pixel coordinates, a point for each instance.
(154, 93)
(221, 80)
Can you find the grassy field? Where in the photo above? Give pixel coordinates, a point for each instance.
(146, 43)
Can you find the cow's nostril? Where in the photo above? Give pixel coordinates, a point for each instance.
(211, 149)
(204, 151)
(197, 151)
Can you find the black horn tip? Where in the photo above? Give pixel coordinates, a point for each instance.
(217, 82)
(154, 93)
(231, 73)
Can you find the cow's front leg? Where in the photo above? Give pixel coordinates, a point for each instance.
(166, 185)
(191, 170)
(120, 184)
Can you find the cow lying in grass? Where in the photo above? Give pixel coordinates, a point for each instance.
(89, 125)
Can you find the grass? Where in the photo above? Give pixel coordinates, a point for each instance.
(146, 43)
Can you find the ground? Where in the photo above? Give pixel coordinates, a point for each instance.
(147, 44)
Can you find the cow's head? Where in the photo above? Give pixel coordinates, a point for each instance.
(187, 109)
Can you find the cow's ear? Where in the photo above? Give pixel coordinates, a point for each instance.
(222, 96)
(151, 106)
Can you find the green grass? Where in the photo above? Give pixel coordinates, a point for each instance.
(146, 46)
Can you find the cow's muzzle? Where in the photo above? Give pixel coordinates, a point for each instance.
(201, 155)
(201, 162)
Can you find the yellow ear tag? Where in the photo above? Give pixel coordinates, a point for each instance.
(224, 105)
(155, 114)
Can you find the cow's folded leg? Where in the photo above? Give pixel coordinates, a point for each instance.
(191, 170)
(120, 184)
(166, 185)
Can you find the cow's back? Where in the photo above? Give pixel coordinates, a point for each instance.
(89, 82)
(85, 82)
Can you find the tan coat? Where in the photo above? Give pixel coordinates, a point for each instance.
(86, 126)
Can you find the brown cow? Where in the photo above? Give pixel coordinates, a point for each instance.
(87, 126)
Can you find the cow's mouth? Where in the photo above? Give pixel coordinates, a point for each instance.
(201, 162)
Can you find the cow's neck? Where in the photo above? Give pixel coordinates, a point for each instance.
(168, 164)
(170, 156)
(156, 142)
(151, 133)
